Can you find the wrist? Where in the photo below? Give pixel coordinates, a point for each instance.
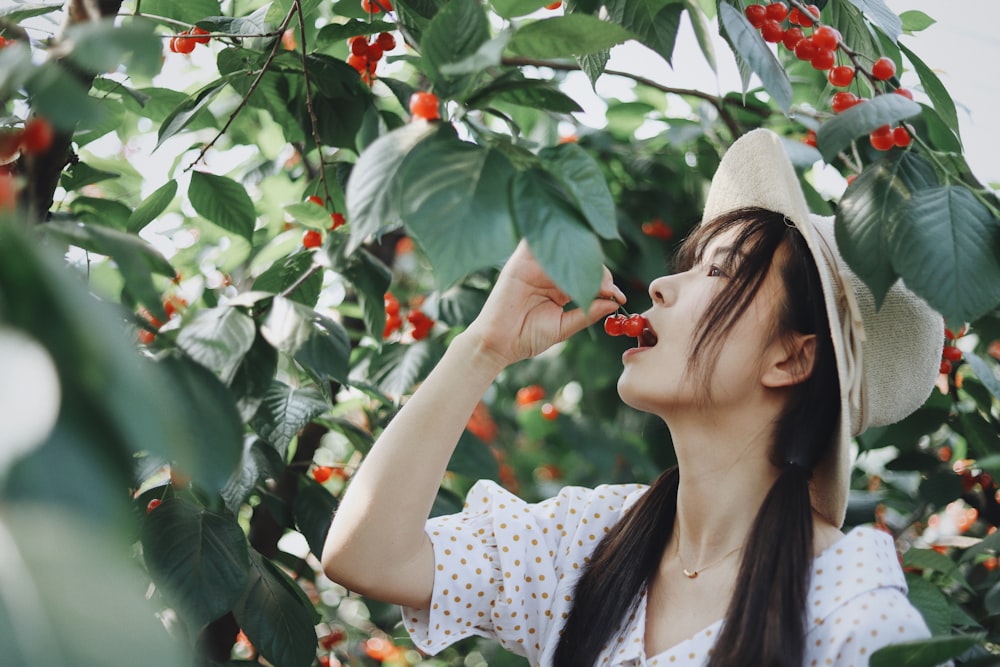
(479, 352)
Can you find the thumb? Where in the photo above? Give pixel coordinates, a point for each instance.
(578, 319)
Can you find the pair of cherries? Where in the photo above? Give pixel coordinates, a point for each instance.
(627, 325)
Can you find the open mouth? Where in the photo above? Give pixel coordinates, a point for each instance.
(647, 338)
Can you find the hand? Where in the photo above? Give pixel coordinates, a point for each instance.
(524, 315)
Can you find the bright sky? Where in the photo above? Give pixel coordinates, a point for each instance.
(959, 47)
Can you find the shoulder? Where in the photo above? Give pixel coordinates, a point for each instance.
(488, 496)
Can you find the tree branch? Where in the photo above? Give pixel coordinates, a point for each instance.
(313, 122)
(719, 103)
(253, 86)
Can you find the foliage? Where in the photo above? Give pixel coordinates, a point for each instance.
(219, 381)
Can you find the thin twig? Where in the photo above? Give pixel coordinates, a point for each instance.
(250, 91)
(715, 101)
(313, 270)
(313, 121)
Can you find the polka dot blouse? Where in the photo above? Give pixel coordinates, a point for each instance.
(506, 569)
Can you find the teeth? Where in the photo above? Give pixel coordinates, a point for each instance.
(647, 338)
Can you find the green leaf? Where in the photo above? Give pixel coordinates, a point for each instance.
(924, 652)
(935, 90)
(473, 459)
(59, 96)
(454, 34)
(654, 23)
(20, 11)
(287, 325)
(855, 30)
(373, 192)
(870, 211)
(455, 199)
(371, 279)
(928, 559)
(915, 21)
(75, 176)
(532, 93)
(258, 461)
(100, 212)
(837, 133)
(984, 372)
(223, 201)
(102, 46)
(276, 616)
(197, 558)
(283, 413)
(188, 11)
(400, 366)
(314, 508)
(489, 54)
(947, 252)
(702, 31)
(326, 352)
(510, 9)
(335, 33)
(218, 338)
(151, 207)
(234, 25)
(309, 215)
(752, 48)
(188, 110)
(567, 36)
(210, 416)
(931, 602)
(881, 16)
(253, 376)
(566, 249)
(582, 178)
(283, 273)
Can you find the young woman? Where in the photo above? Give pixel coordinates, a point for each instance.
(763, 354)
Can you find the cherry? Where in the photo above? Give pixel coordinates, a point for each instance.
(658, 229)
(315, 199)
(146, 337)
(554, 5)
(153, 504)
(823, 60)
(374, 52)
(312, 239)
(392, 323)
(843, 100)
(792, 37)
(810, 138)
(529, 394)
(805, 49)
(391, 304)
(614, 325)
(776, 11)
(952, 353)
(10, 144)
(901, 137)
(200, 35)
(883, 69)
(37, 135)
(634, 325)
(336, 636)
(549, 411)
(841, 76)
(904, 92)
(881, 138)
(421, 324)
(359, 45)
(182, 43)
(424, 105)
(360, 63)
(798, 18)
(772, 31)
(4, 42)
(756, 14)
(322, 473)
(826, 37)
(336, 221)
(8, 193)
(386, 41)
(376, 6)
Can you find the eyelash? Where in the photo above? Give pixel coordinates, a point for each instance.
(715, 267)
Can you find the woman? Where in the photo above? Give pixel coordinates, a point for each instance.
(763, 354)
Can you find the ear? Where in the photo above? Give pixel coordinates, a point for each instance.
(789, 361)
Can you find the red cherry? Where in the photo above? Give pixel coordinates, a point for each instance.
(315, 199)
(374, 52)
(805, 49)
(843, 100)
(776, 11)
(810, 138)
(37, 135)
(184, 44)
(424, 105)
(634, 325)
(756, 14)
(8, 193)
(951, 353)
(826, 37)
(359, 45)
(360, 63)
(792, 37)
(386, 41)
(153, 504)
(554, 5)
(904, 92)
(336, 221)
(172, 44)
(841, 76)
(945, 367)
(883, 69)
(201, 35)
(391, 304)
(798, 18)
(528, 395)
(322, 473)
(772, 31)
(901, 137)
(613, 325)
(392, 323)
(881, 139)
(312, 239)
(823, 60)
(549, 411)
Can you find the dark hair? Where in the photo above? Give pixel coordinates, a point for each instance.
(765, 621)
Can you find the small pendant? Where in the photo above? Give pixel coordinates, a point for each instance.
(690, 574)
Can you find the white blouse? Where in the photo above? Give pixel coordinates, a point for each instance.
(506, 569)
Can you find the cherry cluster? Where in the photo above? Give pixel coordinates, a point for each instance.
(950, 354)
(314, 238)
(779, 24)
(628, 325)
(658, 229)
(184, 42)
(36, 137)
(365, 55)
(172, 305)
(420, 323)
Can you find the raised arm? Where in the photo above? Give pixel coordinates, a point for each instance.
(376, 544)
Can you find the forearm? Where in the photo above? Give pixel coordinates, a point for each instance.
(376, 538)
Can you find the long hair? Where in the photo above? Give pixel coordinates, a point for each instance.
(765, 622)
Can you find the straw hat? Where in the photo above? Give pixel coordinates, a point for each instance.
(887, 359)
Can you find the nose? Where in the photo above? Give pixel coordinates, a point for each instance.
(662, 291)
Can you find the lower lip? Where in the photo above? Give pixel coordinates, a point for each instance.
(632, 351)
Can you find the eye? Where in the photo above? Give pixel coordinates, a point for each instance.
(715, 272)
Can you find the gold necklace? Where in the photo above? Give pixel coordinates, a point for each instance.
(693, 574)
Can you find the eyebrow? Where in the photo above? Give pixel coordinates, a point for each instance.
(729, 252)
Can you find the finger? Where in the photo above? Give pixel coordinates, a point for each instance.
(577, 319)
(609, 290)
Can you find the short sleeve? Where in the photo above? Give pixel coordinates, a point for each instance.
(862, 626)
(506, 569)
